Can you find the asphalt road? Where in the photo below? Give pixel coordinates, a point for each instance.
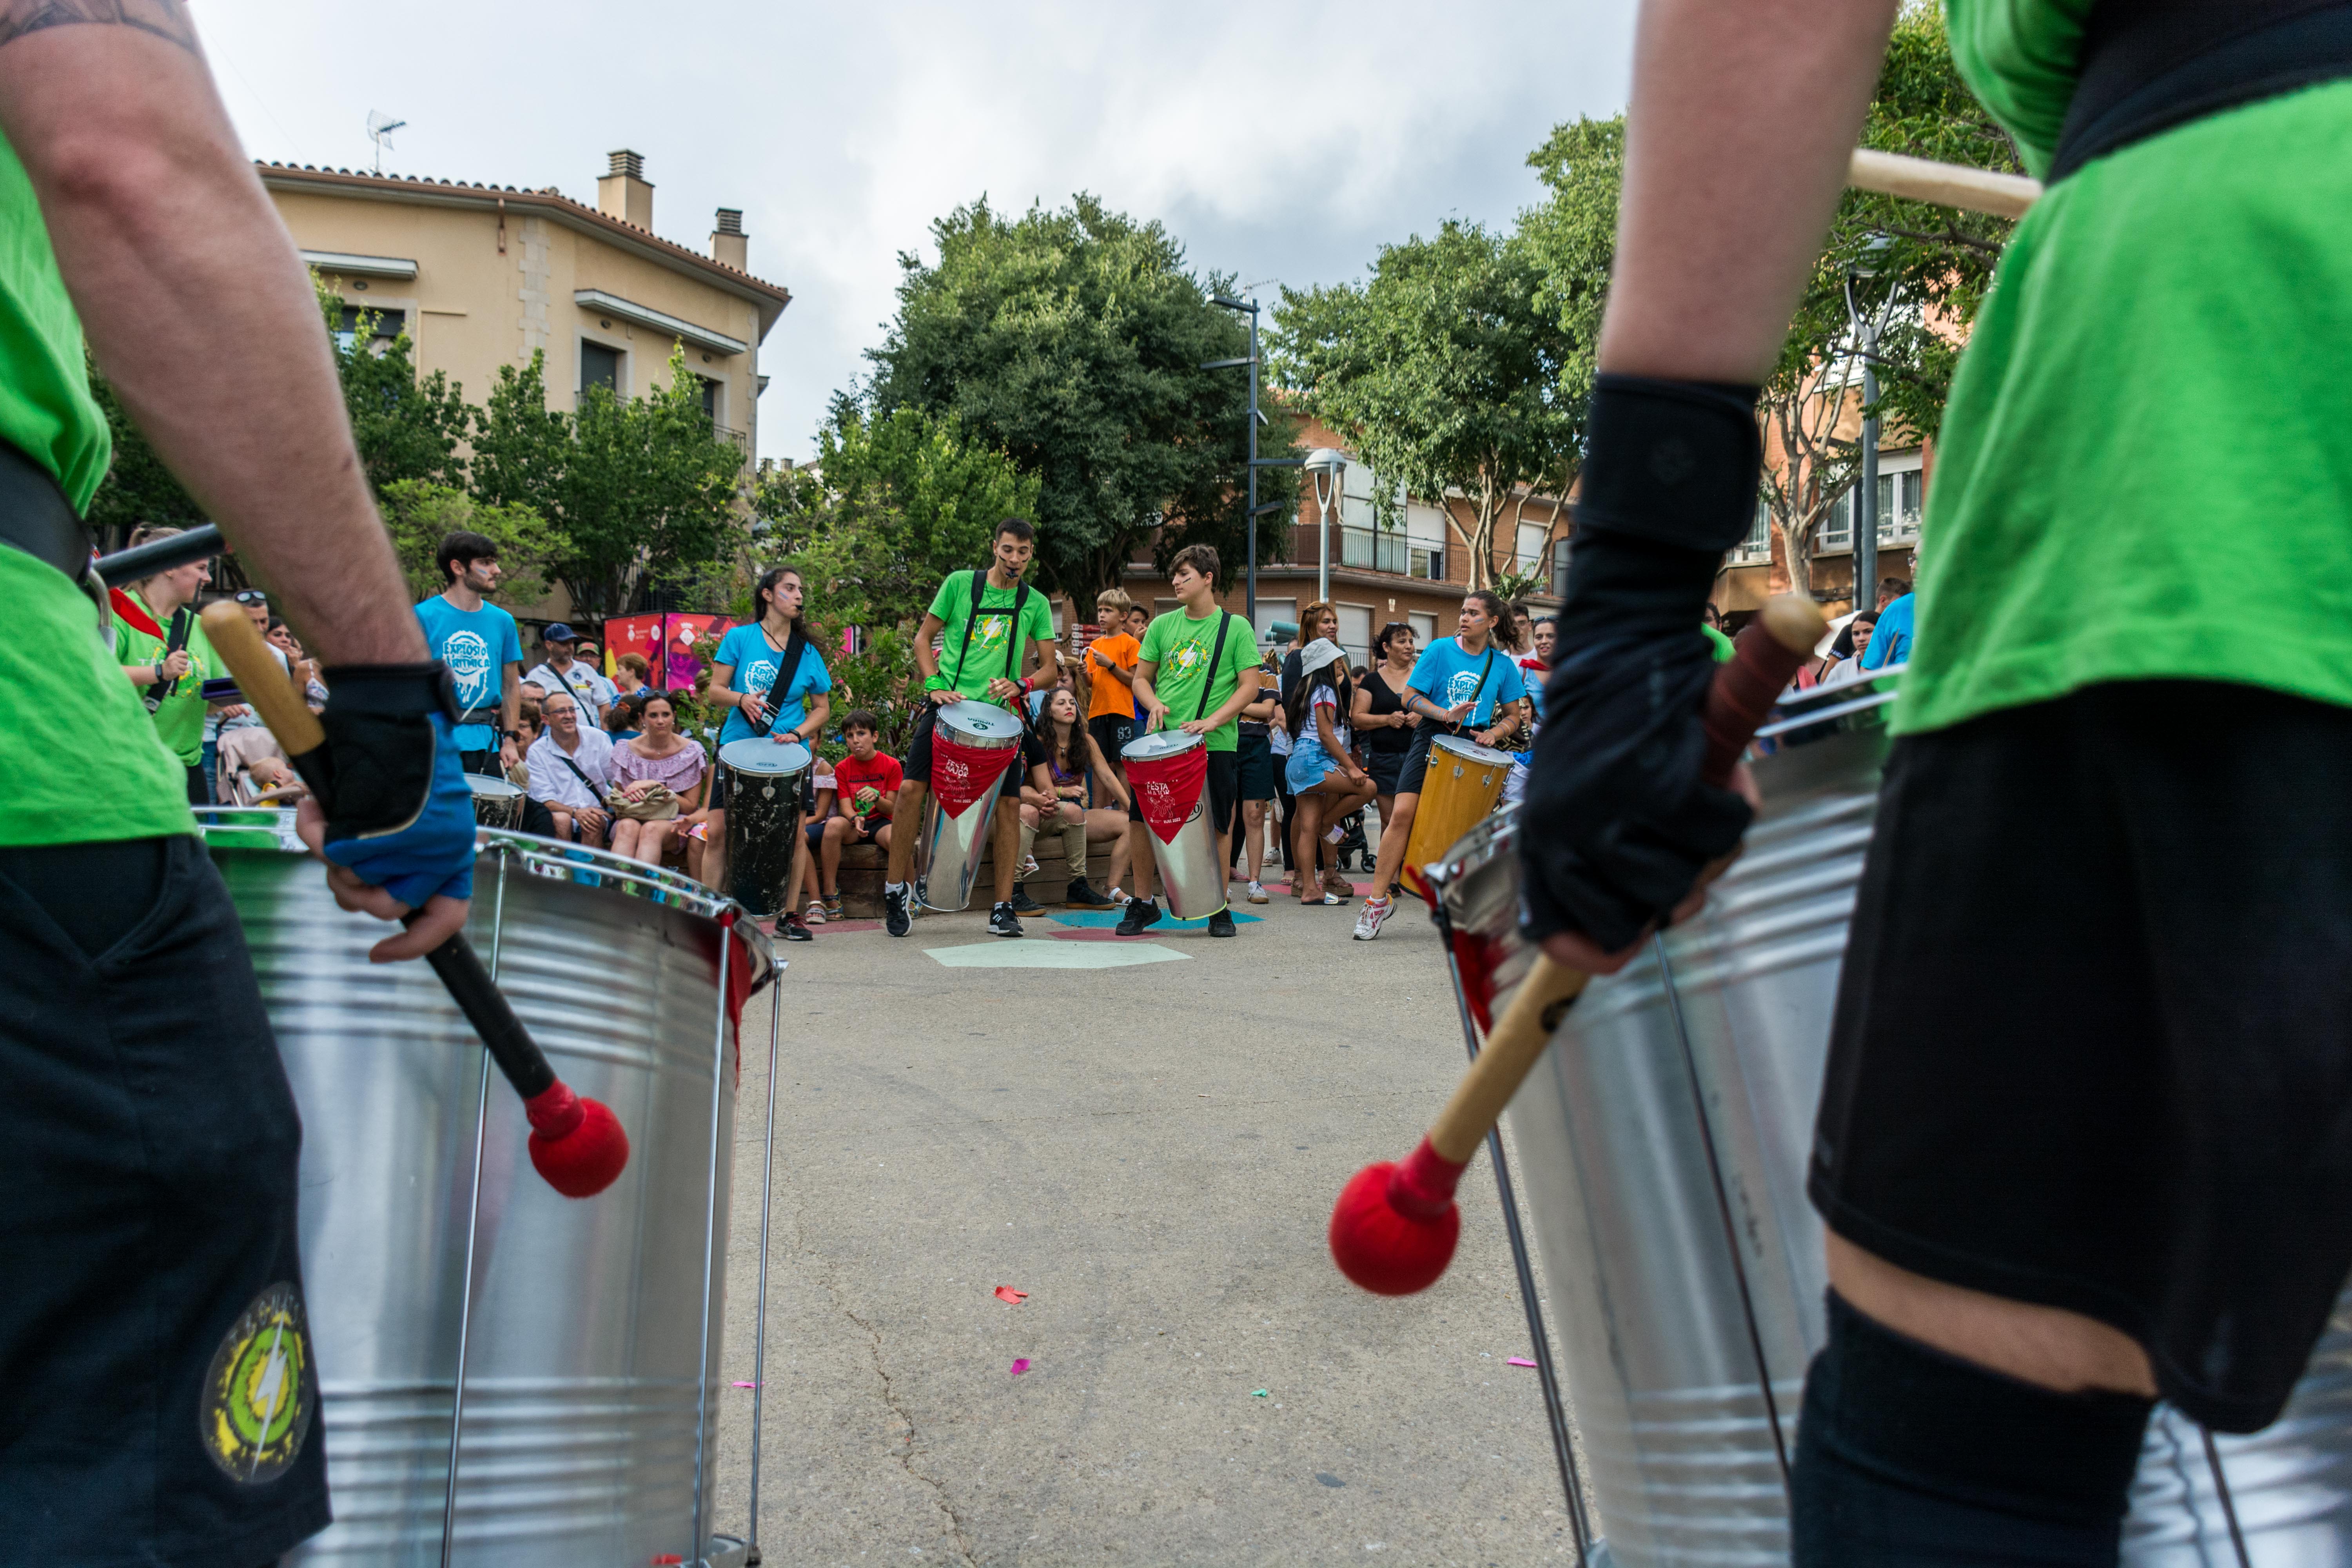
(1150, 1153)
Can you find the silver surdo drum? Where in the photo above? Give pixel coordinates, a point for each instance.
(764, 819)
(496, 802)
(1662, 1145)
(972, 745)
(538, 1377)
(1169, 770)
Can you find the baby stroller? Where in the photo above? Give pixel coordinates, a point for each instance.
(1351, 842)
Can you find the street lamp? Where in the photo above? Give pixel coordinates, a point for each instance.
(1328, 468)
(1865, 510)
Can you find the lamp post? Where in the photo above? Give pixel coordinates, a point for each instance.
(1250, 308)
(1328, 468)
(1865, 511)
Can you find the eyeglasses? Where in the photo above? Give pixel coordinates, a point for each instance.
(251, 597)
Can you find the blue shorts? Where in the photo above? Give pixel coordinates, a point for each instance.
(1309, 764)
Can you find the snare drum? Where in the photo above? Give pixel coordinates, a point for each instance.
(1457, 793)
(762, 781)
(496, 802)
(972, 745)
(1171, 776)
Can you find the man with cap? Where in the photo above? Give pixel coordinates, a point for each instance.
(561, 671)
(162, 1399)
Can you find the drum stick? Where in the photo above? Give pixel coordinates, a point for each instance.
(576, 1144)
(159, 555)
(1942, 184)
(1395, 1226)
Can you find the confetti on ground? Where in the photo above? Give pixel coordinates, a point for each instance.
(1021, 1366)
(1258, 1393)
(747, 1385)
(1518, 1361)
(1009, 1297)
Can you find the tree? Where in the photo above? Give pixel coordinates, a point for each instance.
(632, 492)
(1573, 237)
(1073, 341)
(420, 514)
(138, 487)
(1447, 373)
(404, 427)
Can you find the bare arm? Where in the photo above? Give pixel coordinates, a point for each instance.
(818, 706)
(1147, 699)
(1742, 122)
(197, 307)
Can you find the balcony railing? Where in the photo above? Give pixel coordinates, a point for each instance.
(1387, 549)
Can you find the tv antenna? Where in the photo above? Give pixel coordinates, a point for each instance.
(380, 127)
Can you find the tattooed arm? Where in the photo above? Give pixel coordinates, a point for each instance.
(196, 306)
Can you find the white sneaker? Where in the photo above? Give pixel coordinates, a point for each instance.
(1257, 893)
(815, 915)
(1370, 919)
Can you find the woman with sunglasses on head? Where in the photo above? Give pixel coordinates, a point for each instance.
(1384, 724)
(1320, 622)
(1324, 776)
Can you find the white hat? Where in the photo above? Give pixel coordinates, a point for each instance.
(1317, 653)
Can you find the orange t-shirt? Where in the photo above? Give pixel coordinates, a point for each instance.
(1112, 698)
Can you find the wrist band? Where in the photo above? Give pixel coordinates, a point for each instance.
(1673, 461)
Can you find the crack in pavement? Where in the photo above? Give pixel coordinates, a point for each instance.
(902, 1449)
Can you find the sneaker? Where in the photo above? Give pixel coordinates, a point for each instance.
(1222, 923)
(1000, 921)
(1257, 894)
(791, 930)
(895, 919)
(1374, 913)
(815, 915)
(1140, 913)
(833, 907)
(1082, 896)
(1022, 904)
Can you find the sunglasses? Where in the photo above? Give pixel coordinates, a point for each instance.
(251, 597)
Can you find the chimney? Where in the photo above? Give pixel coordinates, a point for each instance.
(728, 245)
(623, 192)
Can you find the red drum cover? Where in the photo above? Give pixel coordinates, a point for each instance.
(961, 773)
(1167, 788)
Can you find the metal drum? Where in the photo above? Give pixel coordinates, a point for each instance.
(539, 1376)
(1662, 1144)
(1457, 793)
(1169, 772)
(972, 745)
(496, 802)
(764, 819)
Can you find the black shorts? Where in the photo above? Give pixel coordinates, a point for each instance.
(917, 766)
(1415, 764)
(1256, 762)
(149, 1153)
(1111, 732)
(1223, 787)
(1387, 767)
(2093, 1034)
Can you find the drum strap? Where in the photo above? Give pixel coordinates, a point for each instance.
(795, 644)
(1484, 670)
(1012, 641)
(1216, 653)
(176, 640)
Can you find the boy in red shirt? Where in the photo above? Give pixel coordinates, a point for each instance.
(865, 786)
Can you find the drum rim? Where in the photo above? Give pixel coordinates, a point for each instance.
(1179, 741)
(807, 756)
(945, 718)
(483, 783)
(1460, 747)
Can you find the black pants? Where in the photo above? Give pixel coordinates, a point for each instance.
(161, 1402)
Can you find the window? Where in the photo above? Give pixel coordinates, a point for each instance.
(1532, 537)
(1356, 632)
(1560, 568)
(709, 398)
(1899, 506)
(1273, 611)
(600, 366)
(1424, 532)
(1837, 523)
(1757, 545)
(386, 325)
(1424, 627)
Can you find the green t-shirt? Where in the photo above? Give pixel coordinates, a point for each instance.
(1180, 646)
(2140, 471)
(180, 721)
(1719, 644)
(114, 781)
(969, 671)
(46, 408)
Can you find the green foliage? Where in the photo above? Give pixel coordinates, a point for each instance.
(1573, 237)
(405, 428)
(420, 514)
(1447, 370)
(138, 487)
(635, 493)
(1073, 341)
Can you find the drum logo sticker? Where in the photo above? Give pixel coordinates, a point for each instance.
(260, 1393)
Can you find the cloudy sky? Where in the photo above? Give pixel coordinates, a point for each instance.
(1282, 143)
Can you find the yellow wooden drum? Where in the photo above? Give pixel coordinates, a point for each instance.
(1457, 793)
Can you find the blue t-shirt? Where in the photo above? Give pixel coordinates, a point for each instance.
(1447, 676)
(755, 659)
(1890, 641)
(477, 646)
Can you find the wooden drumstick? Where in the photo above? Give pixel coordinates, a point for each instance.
(1395, 1226)
(576, 1144)
(1942, 184)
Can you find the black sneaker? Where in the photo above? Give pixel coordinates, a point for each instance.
(1140, 913)
(895, 917)
(1082, 896)
(792, 928)
(1000, 921)
(1022, 904)
(1222, 923)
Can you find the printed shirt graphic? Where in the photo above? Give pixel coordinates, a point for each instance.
(755, 659)
(1180, 646)
(870, 788)
(477, 646)
(1447, 676)
(990, 638)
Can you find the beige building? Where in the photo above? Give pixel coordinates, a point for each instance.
(485, 276)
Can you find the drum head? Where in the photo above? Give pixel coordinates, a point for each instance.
(488, 788)
(1166, 743)
(763, 756)
(979, 724)
(1484, 756)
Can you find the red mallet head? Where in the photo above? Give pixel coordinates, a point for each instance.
(1395, 1226)
(576, 1144)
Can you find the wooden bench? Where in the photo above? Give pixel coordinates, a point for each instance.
(863, 867)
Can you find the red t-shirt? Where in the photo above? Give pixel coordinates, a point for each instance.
(868, 789)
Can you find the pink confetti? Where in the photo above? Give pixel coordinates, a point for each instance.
(747, 1385)
(1009, 1297)
(1518, 1361)
(1021, 1366)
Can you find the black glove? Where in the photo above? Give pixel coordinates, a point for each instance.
(399, 811)
(1617, 825)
